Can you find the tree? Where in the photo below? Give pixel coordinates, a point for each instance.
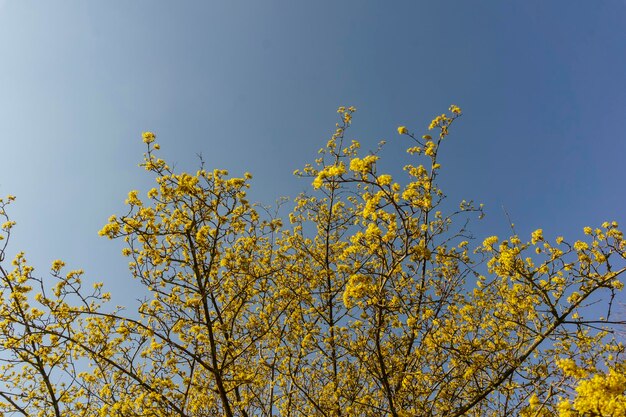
(366, 301)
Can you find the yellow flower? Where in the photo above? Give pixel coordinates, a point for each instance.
(489, 242)
(402, 130)
(537, 236)
(148, 137)
(534, 401)
(57, 265)
(430, 148)
(133, 199)
(384, 179)
(455, 109)
(7, 225)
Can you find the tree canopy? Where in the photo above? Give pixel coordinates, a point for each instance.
(370, 298)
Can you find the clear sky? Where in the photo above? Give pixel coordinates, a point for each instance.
(254, 85)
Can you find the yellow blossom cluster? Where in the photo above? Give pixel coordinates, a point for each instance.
(363, 166)
(148, 137)
(603, 394)
(328, 172)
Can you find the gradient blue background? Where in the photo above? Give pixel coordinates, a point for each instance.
(253, 86)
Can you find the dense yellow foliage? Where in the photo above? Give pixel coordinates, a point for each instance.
(367, 300)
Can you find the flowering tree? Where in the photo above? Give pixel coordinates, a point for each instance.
(366, 301)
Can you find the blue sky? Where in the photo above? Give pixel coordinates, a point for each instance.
(253, 86)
